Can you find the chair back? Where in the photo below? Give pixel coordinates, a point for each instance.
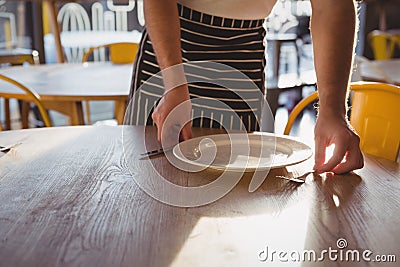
(30, 95)
(375, 115)
(119, 53)
(382, 44)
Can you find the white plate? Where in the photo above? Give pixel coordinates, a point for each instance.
(242, 151)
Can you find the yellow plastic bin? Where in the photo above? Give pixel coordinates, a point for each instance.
(375, 115)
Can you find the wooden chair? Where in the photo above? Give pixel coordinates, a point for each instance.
(118, 53)
(30, 96)
(374, 115)
(13, 57)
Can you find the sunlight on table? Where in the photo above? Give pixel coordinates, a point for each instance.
(276, 231)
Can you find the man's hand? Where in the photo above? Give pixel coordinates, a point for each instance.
(346, 155)
(172, 117)
(333, 25)
(163, 26)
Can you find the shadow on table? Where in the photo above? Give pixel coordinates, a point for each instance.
(278, 210)
(337, 201)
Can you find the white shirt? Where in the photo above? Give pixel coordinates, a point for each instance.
(238, 9)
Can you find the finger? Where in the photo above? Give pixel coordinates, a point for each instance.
(320, 148)
(186, 132)
(337, 157)
(159, 132)
(170, 134)
(154, 116)
(354, 160)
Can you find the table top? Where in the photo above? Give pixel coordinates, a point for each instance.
(281, 36)
(95, 38)
(394, 31)
(72, 82)
(68, 198)
(381, 71)
(15, 51)
(291, 80)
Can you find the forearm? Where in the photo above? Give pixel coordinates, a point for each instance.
(333, 26)
(163, 27)
(162, 24)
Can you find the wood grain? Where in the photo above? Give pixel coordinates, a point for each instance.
(68, 199)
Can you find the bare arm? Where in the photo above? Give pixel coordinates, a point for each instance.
(333, 25)
(333, 30)
(163, 27)
(162, 24)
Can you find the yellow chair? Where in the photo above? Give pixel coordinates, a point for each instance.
(382, 44)
(30, 96)
(119, 53)
(375, 115)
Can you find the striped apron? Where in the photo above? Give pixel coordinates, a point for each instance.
(224, 65)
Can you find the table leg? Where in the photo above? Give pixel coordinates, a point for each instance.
(26, 107)
(382, 17)
(77, 117)
(7, 114)
(72, 109)
(120, 108)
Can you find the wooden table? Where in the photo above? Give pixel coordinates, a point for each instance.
(68, 199)
(381, 71)
(72, 39)
(63, 87)
(394, 32)
(18, 56)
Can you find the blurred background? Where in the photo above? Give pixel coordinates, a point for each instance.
(26, 26)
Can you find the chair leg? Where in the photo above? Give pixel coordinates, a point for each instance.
(24, 109)
(7, 114)
(25, 114)
(87, 111)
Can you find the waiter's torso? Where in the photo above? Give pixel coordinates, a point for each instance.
(238, 9)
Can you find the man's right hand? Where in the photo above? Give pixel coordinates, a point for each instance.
(172, 116)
